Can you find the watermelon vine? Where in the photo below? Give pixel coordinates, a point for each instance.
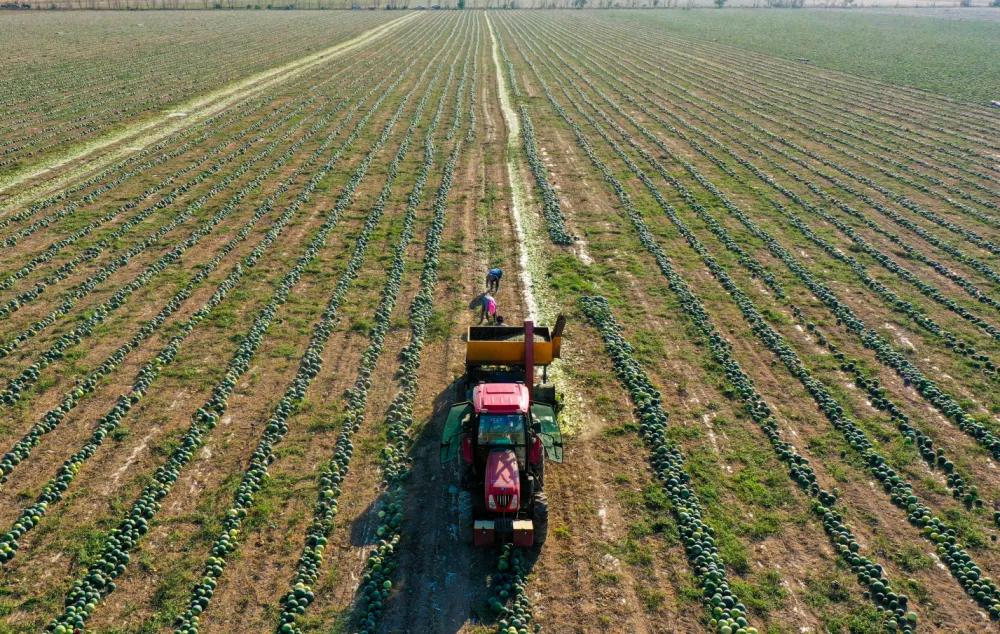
(298, 598)
(92, 587)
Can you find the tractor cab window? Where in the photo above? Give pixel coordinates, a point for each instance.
(501, 429)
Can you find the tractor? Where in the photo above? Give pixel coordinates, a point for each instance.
(505, 429)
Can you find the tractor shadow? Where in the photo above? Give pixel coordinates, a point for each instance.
(363, 528)
(442, 581)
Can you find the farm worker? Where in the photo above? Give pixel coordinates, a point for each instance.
(489, 310)
(493, 280)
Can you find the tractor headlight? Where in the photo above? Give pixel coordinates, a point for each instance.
(492, 503)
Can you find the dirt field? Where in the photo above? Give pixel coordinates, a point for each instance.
(229, 340)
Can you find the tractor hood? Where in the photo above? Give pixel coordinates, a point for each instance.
(501, 398)
(503, 482)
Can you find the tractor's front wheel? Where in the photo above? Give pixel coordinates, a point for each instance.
(540, 518)
(539, 472)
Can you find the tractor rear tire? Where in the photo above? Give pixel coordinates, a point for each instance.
(545, 393)
(468, 481)
(540, 476)
(540, 518)
(466, 517)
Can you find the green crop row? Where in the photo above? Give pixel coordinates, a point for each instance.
(869, 573)
(869, 338)
(90, 588)
(31, 374)
(64, 271)
(309, 367)
(394, 458)
(728, 614)
(22, 449)
(335, 471)
(982, 589)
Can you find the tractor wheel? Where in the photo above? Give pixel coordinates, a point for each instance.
(466, 517)
(545, 393)
(468, 481)
(540, 476)
(540, 518)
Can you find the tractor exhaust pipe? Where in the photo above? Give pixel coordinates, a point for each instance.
(529, 358)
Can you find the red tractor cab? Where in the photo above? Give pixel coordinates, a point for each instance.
(505, 431)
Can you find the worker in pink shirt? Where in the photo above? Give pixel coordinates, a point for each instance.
(489, 311)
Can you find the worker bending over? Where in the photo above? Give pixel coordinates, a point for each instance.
(489, 310)
(493, 280)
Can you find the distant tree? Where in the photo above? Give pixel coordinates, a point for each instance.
(966, 3)
(579, 4)
(995, 3)
(720, 3)
(461, 4)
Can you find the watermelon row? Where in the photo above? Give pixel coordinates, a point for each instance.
(22, 449)
(825, 127)
(92, 252)
(628, 95)
(309, 367)
(64, 271)
(511, 600)
(104, 175)
(835, 102)
(946, 404)
(894, 300)
(900, 199)
(978, 360)
(335, 471)
(745, 259)
(98, 581)
(668, 462)
(943, 402)
(907, 250)
(740, 96)
(65, 104)
(669, 466)
(963, 568)
(512, 83)
(741, 128)
(470, 129)
(555, 222)
(925, 446)
(897, 218)
(882, 160)
(980, 588)
(394, 459)
(869, 573)
(951, 341)
(879, 398)
(16, 387)
(746, 126)
(121, 177)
